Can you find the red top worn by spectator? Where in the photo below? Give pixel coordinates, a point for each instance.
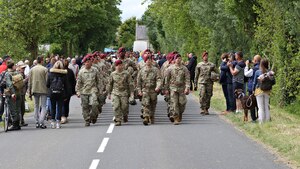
(3, 66)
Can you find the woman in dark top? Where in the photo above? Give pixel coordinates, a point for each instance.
(57, 84)
(71, 82)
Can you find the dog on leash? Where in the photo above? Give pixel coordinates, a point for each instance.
(248, 102)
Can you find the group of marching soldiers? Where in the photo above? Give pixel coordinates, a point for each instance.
(125, 80)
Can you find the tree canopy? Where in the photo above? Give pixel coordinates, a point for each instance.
(270, 28)
(77, 25)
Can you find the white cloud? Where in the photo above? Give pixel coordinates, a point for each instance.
(131, 8)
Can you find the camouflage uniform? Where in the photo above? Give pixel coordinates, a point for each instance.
(148, 80)
(101, 86)
(106, 68)
(205, 84)
(177, 80)
(130, 66)
(14, 105)
(121, 86)
(87, 88)
(142, 64)
(164, 67)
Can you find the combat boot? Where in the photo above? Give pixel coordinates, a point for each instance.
(171, 119)
(87, 123)
(152, 119)
(206, 112)
(94, 121)
(118, 123)
(176, 121)
(202, 112)
(125, 118)
(142, 112)
(146, 120)
(180, 117)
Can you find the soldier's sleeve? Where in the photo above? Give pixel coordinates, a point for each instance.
(99, 82)
(167, 79)
(215, 69)
(110, 84)
(79, 82)
(139, 82)
(158, 79)
(187, 78)
(9, 83)
(133, 65)
(135, 70)
(113, 67)
(130, 82)
(197, 74)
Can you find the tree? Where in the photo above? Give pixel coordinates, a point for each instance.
(25, 21)
(126, 33)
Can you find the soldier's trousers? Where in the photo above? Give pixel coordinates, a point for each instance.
(120, 107)
(177, 103)
(205, 94)
(14, 107)
(89, 105)
(101, 100)
(149, 102)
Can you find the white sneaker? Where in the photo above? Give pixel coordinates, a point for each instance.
(58, 125)
(52, 125)
(63, 120)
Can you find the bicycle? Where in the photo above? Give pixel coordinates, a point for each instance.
(6, 114)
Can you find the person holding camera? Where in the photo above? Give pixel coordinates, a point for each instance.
(249, 73)
(226, 82)
(237, 71)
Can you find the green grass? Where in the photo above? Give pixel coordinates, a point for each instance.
(281, 135)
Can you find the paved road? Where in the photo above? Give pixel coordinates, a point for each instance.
(199, 142)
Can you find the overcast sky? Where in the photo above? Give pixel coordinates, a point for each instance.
(132, 8)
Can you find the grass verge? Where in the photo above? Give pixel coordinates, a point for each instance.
(281, 135)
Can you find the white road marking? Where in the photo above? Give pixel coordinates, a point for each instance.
(110, 128)
(103, 145)
(94, 164)
(114, 118)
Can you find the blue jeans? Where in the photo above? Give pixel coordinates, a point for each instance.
(56, 112)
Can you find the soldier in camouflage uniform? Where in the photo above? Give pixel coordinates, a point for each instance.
(148, 85)
(178, 86)
(128, 65)
(121, 86)
(163, 69)
(204, 82)
(101, 81)
(13, 95)
(87, 89)
(146, 54)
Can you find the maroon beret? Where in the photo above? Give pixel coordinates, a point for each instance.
(103, 55)
(121, 49)
(118, 62)
(204, 53)
(147, 50)
(87, 57)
